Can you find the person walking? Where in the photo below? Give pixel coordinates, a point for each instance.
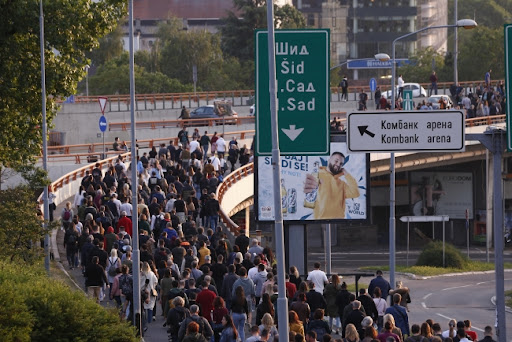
(433, 84)
(344, 88)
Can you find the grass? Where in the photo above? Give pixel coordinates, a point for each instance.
(471, 266)
(58, 274)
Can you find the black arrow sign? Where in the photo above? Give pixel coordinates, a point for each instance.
(364, 129)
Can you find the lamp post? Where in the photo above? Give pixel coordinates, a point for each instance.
(465, 23)
(87, 80)
(383, 57)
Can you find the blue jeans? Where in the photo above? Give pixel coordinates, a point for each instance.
(239, 322)
(205, 151)
(149, 315)
(213, 223)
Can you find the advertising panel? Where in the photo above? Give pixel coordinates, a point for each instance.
(315, 188)
(442, 193)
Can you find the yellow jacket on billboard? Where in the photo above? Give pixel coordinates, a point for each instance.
(332, 193)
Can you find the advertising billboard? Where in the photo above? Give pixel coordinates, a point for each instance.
(442, 193)
(316, 188)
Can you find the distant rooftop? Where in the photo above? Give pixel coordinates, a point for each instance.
(163, 9)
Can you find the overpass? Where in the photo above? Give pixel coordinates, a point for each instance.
(236, 193)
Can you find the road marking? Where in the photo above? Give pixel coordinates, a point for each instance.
(424, 305)
(481, 330)
(456, 287)
(425, 297)
(448, 318)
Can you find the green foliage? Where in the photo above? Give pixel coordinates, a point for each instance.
(114, 78)
(21, 230)
(421, 67)
(40, 309)
(71, 28)
(432, 255)
(110, 47)
(238, 29)
(481, 49)
(488, 13)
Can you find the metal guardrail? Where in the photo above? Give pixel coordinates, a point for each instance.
(231, 179)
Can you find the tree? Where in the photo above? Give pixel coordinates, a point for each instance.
(481, 49)
(71, 29)
(20, 227)
(36, 308)
(489, 13)
(238, 29)
(113, 78)
(110, 47)
(420, 68)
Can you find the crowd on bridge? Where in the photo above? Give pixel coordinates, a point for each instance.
(207, 288)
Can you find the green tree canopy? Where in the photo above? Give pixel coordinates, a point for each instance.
(420, 68)
(71, 29)
(238, 30)
(113, 78)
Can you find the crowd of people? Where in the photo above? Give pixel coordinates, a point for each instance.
(207, 288)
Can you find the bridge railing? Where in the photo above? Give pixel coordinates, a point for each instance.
(228, 182)
(66, 186)
(117, 103)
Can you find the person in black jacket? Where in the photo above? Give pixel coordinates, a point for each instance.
(175, 316)
(95, 278)
(315, 299)
(368, 304)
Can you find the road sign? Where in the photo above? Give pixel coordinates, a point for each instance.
(508, 82)
(408, 101)
(103, 103)
(103, 123)
(403, 131)
(303, 107)
(376, 64)
(373, 84)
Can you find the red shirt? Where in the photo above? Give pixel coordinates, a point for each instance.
(126, 223)
(205, 301)
(290, 289)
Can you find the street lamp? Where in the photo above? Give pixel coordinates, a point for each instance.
(383, 57)
(87, 80)
(465, 23)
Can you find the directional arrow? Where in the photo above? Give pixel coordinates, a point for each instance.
(364, 129)
(292, 132)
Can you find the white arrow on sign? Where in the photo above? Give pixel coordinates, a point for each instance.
(292, 132)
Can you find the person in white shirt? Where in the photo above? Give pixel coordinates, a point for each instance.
(215, 161)
(194, 145)
(221, 146)
(400, 86)
(319, 278)
(127, 206)
(170, 204)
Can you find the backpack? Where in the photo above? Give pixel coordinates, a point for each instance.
(67, 215)
(71, 240)
(112, 268)
(126, 285)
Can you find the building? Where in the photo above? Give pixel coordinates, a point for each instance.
(362, 28)
(195, 14)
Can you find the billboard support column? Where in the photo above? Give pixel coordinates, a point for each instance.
(328, 248)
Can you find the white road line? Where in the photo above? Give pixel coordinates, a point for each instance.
(456, 287)
(475, 328)
(424, 305)
(426, 296)
(448, 318)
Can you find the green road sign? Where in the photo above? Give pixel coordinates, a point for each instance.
(508, 81)
(303, 108)
(408, 102)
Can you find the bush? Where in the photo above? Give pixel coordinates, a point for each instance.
(37, 308)
(432, 255)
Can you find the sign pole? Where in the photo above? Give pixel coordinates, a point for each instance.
(282, 301)
(103, 152)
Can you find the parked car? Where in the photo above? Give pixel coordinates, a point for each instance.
(417, 90)
(218, 110)
(434, 100)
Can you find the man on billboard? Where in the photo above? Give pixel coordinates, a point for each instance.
(327, 189)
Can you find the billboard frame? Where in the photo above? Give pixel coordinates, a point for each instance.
(334, 138)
